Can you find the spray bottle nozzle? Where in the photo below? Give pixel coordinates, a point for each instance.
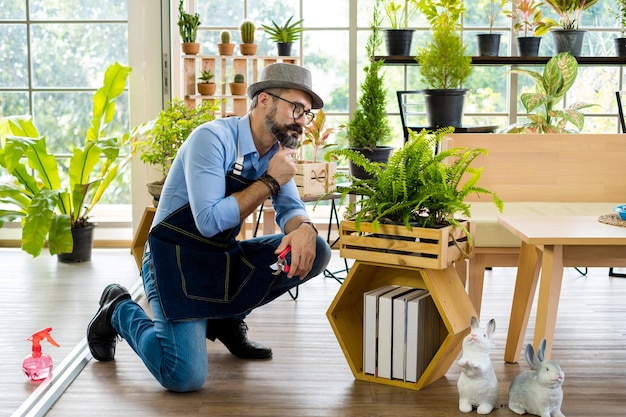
(36, 338)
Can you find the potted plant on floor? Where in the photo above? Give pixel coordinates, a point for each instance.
(398, 38)
(489, 43)
(284, 35)
(225, 47)
(158, 140)
(188, 27)
(206, 85)
(444, 63)
(619, 11)
(417, 188)
(247, 45)
(558, 77)
(368, 129)
(568, 38)
(529, 21)
(53, 201)
(316, 177)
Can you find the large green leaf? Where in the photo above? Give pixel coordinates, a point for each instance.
(104, 99)
(37, 222)
(45, 164)
(60, 236)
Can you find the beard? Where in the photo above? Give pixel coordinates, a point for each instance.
(287, 135)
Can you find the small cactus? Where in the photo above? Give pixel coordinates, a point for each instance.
(225, 36)
(239, 79)
(247, 32)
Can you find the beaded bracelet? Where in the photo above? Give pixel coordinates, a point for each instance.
(271, 183)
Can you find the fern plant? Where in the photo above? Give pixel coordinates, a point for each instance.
(417, 186)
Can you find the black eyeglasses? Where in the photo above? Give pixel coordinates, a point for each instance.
(298, 109)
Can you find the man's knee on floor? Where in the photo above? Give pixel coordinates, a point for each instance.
(189, 381)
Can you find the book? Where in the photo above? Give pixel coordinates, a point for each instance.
(399, 333)
(385, 330)
(422, 331)
(370, 327)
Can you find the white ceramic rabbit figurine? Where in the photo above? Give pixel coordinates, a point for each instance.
(477, 383)
(538, 391)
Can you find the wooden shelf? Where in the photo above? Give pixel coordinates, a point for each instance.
(345, 314)
(513, 60)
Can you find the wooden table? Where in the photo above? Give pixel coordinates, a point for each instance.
(550, 243)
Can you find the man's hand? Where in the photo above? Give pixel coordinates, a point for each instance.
(282, 166)
(303, 242)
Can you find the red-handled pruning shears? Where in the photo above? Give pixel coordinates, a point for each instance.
(281, 263)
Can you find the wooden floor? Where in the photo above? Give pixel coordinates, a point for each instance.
(308, 375)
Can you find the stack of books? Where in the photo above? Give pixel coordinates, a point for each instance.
(401, 332)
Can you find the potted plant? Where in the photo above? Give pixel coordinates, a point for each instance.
(206, 85)
(158, 140)
(568, 38)
(225, 47)
(368, 129)
(529, 21)
(238, 86)
(416, 188)
(247, 47)
(284, 35)
(188, 28)
(52, 200)
(398, 38)
(620, 16)
(489, 43)
(558, 77)
(316, 177)
(444, 63)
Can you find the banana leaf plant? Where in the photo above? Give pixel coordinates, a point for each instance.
(49, 199)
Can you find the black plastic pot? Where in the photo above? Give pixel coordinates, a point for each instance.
(83, 243)
(284, 48)
(399, 41)
(377, 154)
(620, 46)
(488, 44)
(568, 41)
(528, 45)
(444, 107)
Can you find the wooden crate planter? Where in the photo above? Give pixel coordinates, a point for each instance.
(396, 245)
(315, 178)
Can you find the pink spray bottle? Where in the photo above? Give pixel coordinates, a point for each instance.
(38, 366)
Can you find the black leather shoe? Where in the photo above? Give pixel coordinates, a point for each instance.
(233, 334)
(101, 336)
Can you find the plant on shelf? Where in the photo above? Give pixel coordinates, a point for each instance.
(206, 85)
(416, 187)
(158, 140)
(53, 200)
(569, 12)
(444, 63)
(284, 35)
(188, 28)
(550, 88)
(398, 39)
(619, 12)
(225, 47)
(493, 8)
(247, 31)
(529, 24)
(238, 86)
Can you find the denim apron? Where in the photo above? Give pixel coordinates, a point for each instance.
(200, 277)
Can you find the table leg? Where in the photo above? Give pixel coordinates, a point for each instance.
(525, 286)
(549, 294)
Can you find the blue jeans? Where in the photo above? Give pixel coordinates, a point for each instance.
(175, 352)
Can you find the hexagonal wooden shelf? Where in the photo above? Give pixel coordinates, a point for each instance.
(455, 308)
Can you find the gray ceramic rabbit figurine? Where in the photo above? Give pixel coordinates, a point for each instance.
(538, 391)
(477, 383)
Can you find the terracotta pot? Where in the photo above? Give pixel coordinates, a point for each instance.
(226, 48)
(206, 89)
(191, 48)
(248, 48)
(238, 89)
